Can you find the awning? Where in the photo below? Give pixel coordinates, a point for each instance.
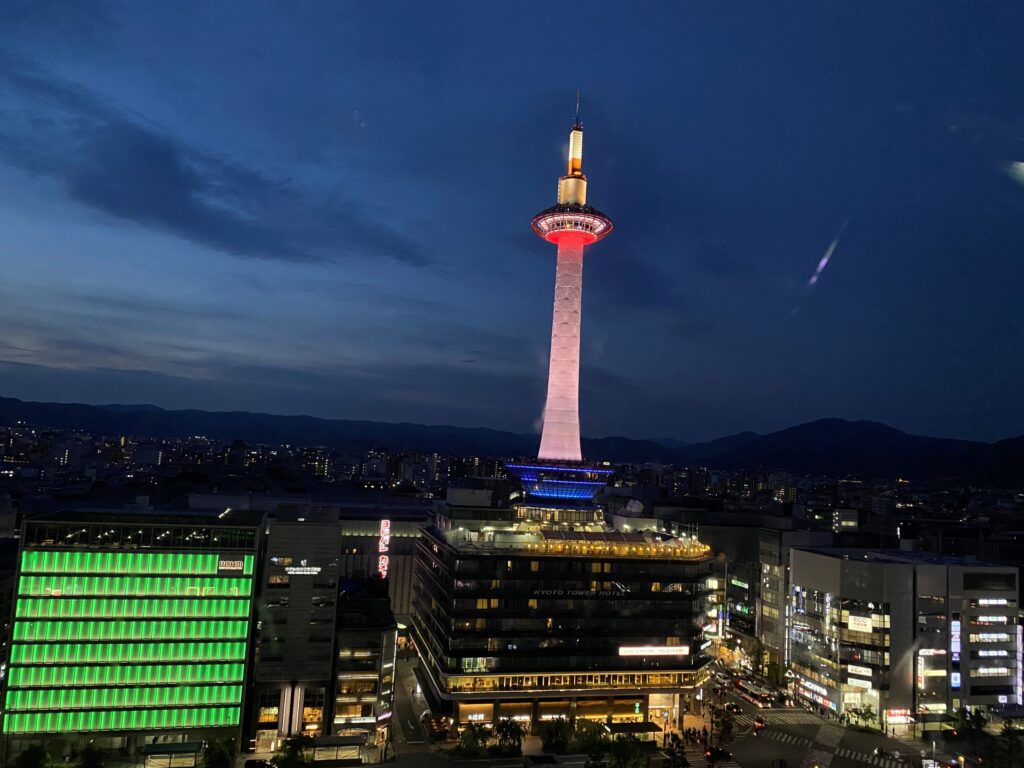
(173, 748)
(617, 729)
(339, 741)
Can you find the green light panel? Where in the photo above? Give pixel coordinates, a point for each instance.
(132, 586)
(154, 674)
(56, 631)
(131, 608)
(123, 698)
(120, 720)
(125, 653)
(115, 641)
(142, 563)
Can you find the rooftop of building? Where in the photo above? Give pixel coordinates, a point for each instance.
(901, 557)
(551, 542)
(232, 517)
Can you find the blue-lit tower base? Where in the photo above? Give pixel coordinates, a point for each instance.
(551, 482)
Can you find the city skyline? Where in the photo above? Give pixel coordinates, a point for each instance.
(815, 214)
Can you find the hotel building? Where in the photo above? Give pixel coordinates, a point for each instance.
(556, 615)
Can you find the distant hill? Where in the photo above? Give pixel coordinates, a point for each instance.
(827, 446)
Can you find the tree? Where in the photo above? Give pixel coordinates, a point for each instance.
(1007, 746)
(725, 724)
(971, 722)
(626, 752)
(510, 734)
(555, 735)
(293, 751)
(35, 756)
(472, 739)
(862, 714)
(219, 753)
(90, 757)
(590, 738)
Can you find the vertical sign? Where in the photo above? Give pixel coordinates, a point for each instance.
(382, 548)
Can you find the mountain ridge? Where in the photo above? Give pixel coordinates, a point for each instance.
(823, 446)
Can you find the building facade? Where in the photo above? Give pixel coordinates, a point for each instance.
(130, 627)
(535, 621)
(910, 636)
(325, 641)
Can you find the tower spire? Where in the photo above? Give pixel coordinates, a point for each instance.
(576, 122)
(571, 225)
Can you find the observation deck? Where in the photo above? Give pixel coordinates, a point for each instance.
(571, 222)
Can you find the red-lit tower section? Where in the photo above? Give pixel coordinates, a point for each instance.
(571, 225)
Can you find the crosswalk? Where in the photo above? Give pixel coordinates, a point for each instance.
(788, 738)
(816, 758)
(781, 717)
(695, 757)
(864, 757)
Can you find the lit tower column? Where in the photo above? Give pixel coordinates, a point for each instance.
(571, 225)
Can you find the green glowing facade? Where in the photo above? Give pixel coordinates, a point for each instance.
(121, 642)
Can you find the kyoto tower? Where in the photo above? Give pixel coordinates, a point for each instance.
(571, 225)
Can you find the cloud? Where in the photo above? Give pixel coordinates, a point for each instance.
(122, 167)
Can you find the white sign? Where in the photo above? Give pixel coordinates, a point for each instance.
(302, 570)
(859, 623)
(862, 671)
(858, 683)
(229, 565)
(654, 650)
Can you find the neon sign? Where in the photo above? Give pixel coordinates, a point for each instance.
(383, 543)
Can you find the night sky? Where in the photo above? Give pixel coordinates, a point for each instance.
(324, 208)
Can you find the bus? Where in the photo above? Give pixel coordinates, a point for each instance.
(755, 694)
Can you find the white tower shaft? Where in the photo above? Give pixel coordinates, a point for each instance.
(560, 438)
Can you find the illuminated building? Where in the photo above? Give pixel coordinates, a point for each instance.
(913, 636)
(130, 625)
(539, 621)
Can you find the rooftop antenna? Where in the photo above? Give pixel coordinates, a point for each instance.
(577, 106)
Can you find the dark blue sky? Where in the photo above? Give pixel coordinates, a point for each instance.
(324, 208)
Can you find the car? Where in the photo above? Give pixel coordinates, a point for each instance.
(722, 678)
(717, 754)
(759, 723)
(734, 708)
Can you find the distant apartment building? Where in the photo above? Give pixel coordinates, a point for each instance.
(912, 636)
